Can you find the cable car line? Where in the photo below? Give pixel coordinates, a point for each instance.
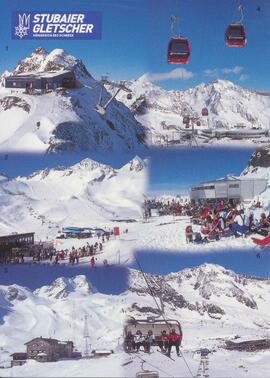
(178, 51)
(235, 34)
(161, 311)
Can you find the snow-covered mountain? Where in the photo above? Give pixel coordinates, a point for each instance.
(161, 111)
(205, 292)
(259, 167)
(259, 162)
(213, 305)
(57, 310)
(85, 194)
(68, 121)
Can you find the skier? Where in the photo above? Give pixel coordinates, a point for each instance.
(129, 342)
(93, 261)
(163, 341)
(189, 234)
(148, 341)
(174, 339)
(138, 340)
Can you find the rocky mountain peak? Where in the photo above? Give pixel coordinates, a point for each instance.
(62, 287)
(56, 60)
(259, 159)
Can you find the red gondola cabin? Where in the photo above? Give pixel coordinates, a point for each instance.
(178, 51)
(235, 35)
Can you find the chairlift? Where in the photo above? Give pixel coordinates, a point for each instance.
(151, 324)
(146, 373)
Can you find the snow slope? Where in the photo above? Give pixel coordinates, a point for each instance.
(87, 194)
(213, 305)
(259, 166)
(161, 111)
(57, 310)
(68, 121)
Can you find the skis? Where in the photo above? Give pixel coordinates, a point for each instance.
(127, 363)
(262, 242)
(165, 355)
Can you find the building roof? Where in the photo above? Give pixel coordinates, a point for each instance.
(47, 340)
(15, 236)
(34, 74)
(19, 354)
(230, 178)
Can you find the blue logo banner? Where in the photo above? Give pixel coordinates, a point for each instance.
(56, 25)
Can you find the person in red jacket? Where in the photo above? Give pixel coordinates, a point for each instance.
(174, 339)
(163, 341)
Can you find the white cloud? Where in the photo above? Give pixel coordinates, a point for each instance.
(176, 74)
(216, 72)
(235, 70)
(243, 77)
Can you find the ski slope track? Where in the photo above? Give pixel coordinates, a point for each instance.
(68, 121)
(213, 305)
(87, 194)
(161, 111)
(57, 311)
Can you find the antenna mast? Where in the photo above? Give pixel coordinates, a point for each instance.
(86, 338)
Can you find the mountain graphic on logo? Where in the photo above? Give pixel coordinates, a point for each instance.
(24, 25)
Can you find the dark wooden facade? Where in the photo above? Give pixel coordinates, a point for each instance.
(10, 242)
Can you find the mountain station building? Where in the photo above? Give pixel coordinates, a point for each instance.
(229, 187)
(41, 80)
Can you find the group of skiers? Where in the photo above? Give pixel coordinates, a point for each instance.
(165, 341)
(225, 218)
(169, 207)
(73, 255)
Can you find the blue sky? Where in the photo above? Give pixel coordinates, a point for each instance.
(25, 164)
(204, 23)
(120, 52)
(173, 171)
(107, 280)
(136, 33)
(240, 261)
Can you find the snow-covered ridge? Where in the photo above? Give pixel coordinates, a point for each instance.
(66, 121)
(208, 290)
(57, 310)
(57, 60)
(87, 193)
(160, 110)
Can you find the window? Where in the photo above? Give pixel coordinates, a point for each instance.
(203, 187)
(233, 185)
(14, 84)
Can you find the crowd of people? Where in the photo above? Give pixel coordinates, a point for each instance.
(217, 219)
(72, 256)
(169, 207)
(226, 218)
(165, 341)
